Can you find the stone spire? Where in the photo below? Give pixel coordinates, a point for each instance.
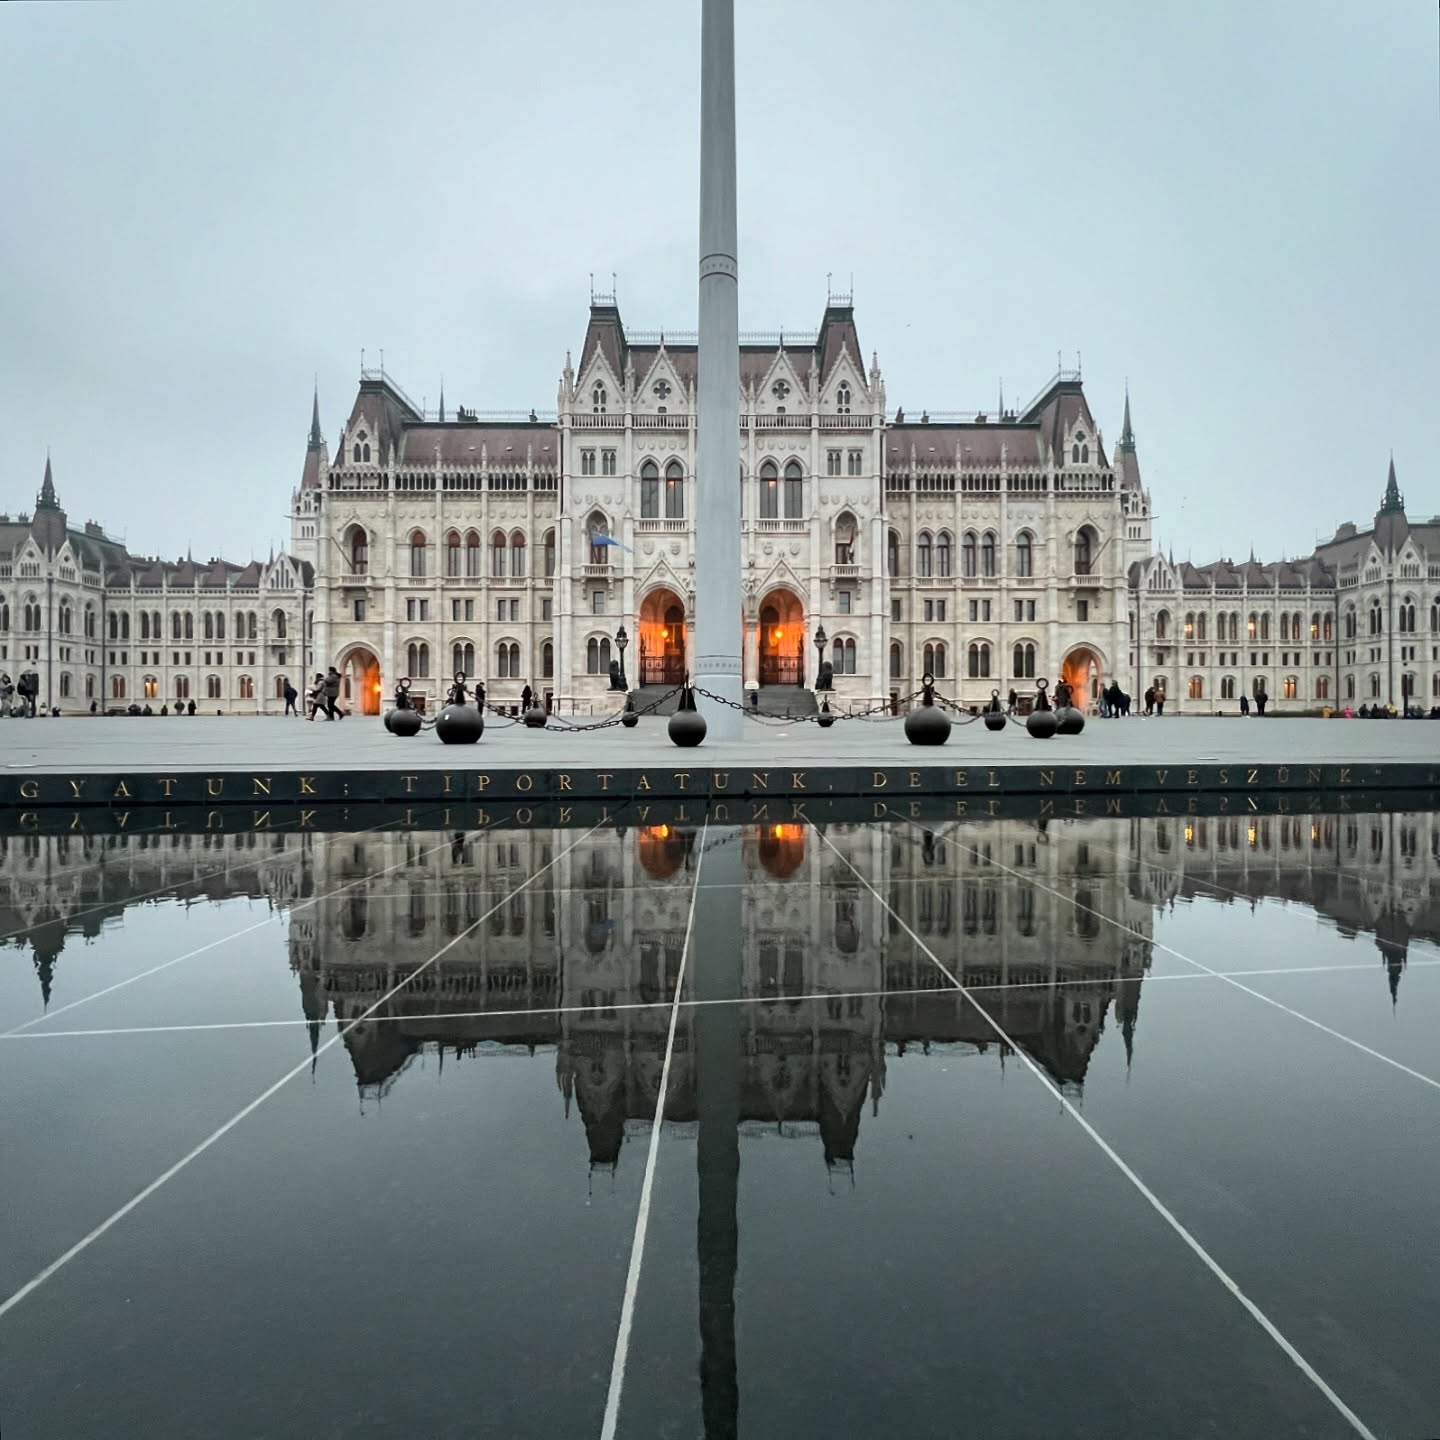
(442, 400)
(1127, 435)
(316, 439)
(1394, 501)
(46, 499)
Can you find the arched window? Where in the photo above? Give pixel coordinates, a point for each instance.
(1377, 619)
(598, 533)
(358, 543)
(597, 655)
(969, 549)
(924, 555)
(935, 659)
(417, 554)
(1024, 666)
(418, 655)
(65, 616)
(247, 687)
(649, 491)
(845, 533)
(1349, 687)
(219, 624)
(547, 661)
(64, 684)
(473, 547)
(1227, 687)
(117, 687)
(124, 624)
(1024, 555)
(842, 657)
(1084, 550)
(842, 398)
(1285, 626)
(90, 622)
(1080, 454)
(1351, 624)
(1258, 684)
(943, 555)
(1407, 615)
(598, 399)
(507, 660)
(517, 554)
(497, 555)
(674, 491)
(174, 625)
(278, 625)
(462, 658)
(897, 660)
(5, 616)
(453, 560)
(1326, 628)
(548, 544)
(212, 687)
(892, 553)
(1162, 625)
(1265, 626)
(1322, 687)
(987, 553)
(189, 625)
(1197, 687)
(360, 449)
(794, 490)
(144, 624)
(979, 660)
(182, 687)
(1201, 621)
(32, 624)
(769, 490)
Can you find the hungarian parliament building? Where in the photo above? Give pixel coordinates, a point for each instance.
(987, 549)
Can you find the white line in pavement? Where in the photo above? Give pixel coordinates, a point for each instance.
(642, 1213)
(84, 1243)
(1203, 1255)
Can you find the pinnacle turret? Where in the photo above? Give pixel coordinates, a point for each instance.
(316, 440)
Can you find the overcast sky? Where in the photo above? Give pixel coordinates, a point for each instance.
(1235, 205)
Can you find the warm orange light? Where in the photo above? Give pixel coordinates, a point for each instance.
(663, 831)
(664, 634)
(377, 687)
(777, 634)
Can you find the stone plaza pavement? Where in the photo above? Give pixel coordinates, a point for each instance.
(211, 743)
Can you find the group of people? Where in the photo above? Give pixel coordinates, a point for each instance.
(17, 699)
(323, 696)
(1261, 701)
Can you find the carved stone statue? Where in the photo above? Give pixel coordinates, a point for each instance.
(826, 678)
(616, 683)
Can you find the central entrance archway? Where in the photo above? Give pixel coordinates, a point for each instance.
(1082, 670)
(359, 681)
(662, 638)
(782, 639)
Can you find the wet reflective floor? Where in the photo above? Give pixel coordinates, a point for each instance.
(1085, 1128)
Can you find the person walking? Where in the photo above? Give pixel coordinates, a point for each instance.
(190, 708)
(1159, 703)
(316, 698)
(527, 696)
(1244, 704)
(1149, 698)
(332, 694)
(291, 696)
(1010, 700)
(1261, 701)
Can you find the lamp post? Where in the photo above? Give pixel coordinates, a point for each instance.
(621, 641)
(820, 638)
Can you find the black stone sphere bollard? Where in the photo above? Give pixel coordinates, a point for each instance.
(1070, 720)
(536, 718)
(403, 722)
(927, 723)
(687, 725)
(628, 718)
(826, 718)
(1041, 721)
(459, 725)
(994, 712)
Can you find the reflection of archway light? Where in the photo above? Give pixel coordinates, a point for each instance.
(663, 831)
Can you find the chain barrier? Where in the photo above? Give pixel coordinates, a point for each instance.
(884, 707)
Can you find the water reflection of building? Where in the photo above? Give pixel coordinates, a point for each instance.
(585, 958)
(61, 887)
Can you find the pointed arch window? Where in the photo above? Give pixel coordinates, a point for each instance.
(987, 554)
(649, 491)
(924, 555)
(892, 553)
(943, 552)
(842, 657)
(417, 653)
(507, 660)
(897, 660)
(1162, 625)
(979, 660)
(599, 399)
(549, 548)
(277, 625)
(473, 563)
(359, 543)
(517, 555)
(1024, 555)
(842, 398)
(969, 549)
(794, 491)
(674, 491)
(1024, 661)
(1084, 550)
(598, 534)
(845, 532)
(1080, 449)
(417, 554)
(360, 449)
(462, 658)
(497, 555)
(769, 491)
(597, 655)
(935, 659)
(547, 661)
(453, 554)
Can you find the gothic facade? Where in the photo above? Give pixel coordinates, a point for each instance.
(987, 549)
(94, 626)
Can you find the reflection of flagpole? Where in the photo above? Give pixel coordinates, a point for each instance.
(716, 975)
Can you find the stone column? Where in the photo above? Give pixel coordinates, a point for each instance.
(717, 510)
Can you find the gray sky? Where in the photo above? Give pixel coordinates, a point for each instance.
(1235, 205)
